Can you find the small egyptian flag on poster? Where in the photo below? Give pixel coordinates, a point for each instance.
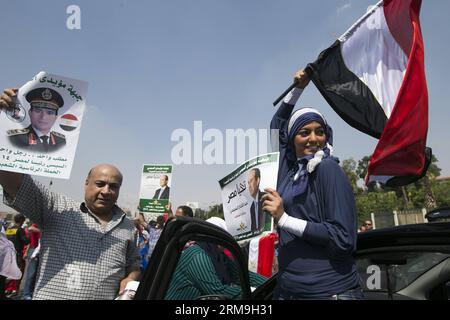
(68, 122)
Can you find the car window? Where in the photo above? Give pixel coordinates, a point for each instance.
(206, 270)
(402, 267)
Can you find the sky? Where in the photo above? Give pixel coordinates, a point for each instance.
(157, 66)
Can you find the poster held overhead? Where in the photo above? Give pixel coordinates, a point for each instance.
(39, 135)
(154, 196)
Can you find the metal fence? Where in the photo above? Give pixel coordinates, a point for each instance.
(399, 217)
(411, 216)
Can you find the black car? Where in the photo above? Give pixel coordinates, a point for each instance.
(404, 262)
(438, 215)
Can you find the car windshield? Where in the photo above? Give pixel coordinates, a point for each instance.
(403, 268)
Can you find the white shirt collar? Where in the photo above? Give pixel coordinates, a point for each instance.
(39, 133)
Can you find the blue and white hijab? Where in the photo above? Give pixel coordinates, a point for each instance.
(308, 163)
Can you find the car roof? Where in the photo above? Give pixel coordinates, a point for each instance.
(436, 233)
(436, 214)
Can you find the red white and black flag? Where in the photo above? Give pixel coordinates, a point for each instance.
(373, 76)
(68, 122)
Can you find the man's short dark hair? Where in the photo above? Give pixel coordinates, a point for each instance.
(187, 211)
(160, 221)
(257, 173)
(166, 176)
(19, 218)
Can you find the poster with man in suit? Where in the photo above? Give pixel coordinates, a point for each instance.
(154, 194)
(242, 191)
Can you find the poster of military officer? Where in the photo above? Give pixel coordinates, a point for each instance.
(41, 122)
(43, 112)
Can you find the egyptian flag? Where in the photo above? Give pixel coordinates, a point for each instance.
(261, 254)
(68, 122)
(373, 76)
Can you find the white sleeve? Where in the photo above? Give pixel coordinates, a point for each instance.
(36, 250)
(292, 97)
(293, 225)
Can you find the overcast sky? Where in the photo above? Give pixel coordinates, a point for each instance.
(157, 66)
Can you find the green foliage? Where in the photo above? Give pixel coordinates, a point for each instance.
(349, 167)
(433, 170)
(368, 202)
(362, 167)
(215, 210)
(382, 199)
(441, 191)
(416, 195)
(200, 213)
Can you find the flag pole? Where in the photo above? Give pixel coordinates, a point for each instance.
(292, 86)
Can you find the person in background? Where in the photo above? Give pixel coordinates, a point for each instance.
(368, 225)
(20, 241)
(88, 249)
(8, 263)
(142, 237)
(32, 263)
(184, 211)
(155, 230)
(205, 269)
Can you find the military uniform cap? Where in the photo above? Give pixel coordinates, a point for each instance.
(45, 98)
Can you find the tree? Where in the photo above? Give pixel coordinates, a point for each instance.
(432, 172)
(426, 192)
(441, 190)
(424, 186)
(216, 210)
(363, 165)
(380, 201)
(361, 171)
(349, 167)
(200, 213)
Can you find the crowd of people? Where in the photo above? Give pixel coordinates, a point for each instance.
(92, 250)
(20, 250)
(22, 237)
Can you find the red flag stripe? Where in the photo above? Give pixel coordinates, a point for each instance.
(404, 136)
(399, 22)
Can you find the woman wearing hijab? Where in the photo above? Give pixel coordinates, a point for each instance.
(314, 208)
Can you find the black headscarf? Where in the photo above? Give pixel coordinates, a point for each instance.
(219, 261)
